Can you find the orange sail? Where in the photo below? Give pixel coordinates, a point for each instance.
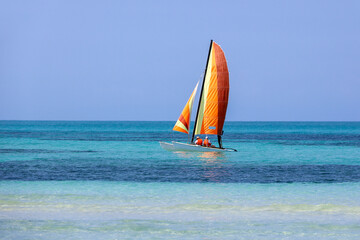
(183, 123)
(215, 93)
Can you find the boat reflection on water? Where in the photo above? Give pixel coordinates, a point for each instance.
(212, 156)
(205, 156)
(214, 166)
(209, 166)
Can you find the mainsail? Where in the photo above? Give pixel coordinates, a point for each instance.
(183, 123)
(214, 94)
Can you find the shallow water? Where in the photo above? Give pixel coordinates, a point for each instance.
(112, 180)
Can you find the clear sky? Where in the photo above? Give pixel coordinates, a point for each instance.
(140, 60)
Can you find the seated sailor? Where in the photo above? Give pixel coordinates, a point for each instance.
(198, 141)
(207, 142)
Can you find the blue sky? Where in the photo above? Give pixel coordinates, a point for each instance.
(140, 60)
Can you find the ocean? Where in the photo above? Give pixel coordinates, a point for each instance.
(112, 180)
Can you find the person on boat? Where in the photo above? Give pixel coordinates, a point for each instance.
(198, 141)
(207, 142)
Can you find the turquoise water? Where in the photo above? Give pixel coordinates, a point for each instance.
(112, 180)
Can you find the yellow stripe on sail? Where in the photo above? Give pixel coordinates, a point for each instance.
(182, 126)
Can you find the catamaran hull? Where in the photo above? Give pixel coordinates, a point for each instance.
(178, 146)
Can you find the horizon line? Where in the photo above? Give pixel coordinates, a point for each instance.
(33, 120)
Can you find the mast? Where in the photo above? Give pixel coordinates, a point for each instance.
(202, 88)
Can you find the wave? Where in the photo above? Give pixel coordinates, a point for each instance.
(20, 150)
(90, 204)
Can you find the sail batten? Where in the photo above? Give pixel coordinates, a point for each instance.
(183, 123)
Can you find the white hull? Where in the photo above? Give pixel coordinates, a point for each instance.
(178, 146)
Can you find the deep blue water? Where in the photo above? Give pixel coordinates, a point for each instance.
(79, 151)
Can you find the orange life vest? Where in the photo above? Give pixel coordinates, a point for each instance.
(207, 143)
(198, 141)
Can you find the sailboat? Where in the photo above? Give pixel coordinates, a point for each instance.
(211, 111)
